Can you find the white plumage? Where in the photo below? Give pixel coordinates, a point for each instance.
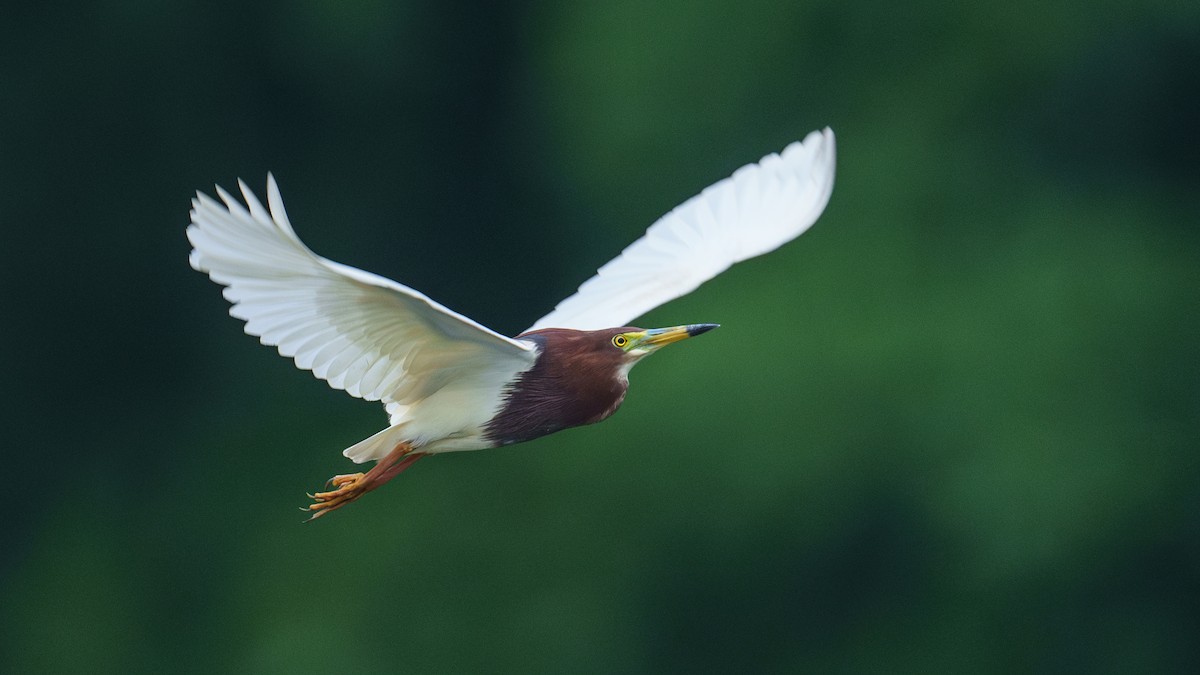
(441, 375)
(757, 209)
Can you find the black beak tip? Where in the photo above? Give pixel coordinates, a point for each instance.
(697, 328)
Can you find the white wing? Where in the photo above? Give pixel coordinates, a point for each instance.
(757, 209)
(372, 337)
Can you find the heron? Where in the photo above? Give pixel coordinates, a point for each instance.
(450, 384)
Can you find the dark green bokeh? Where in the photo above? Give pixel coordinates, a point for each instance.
(953, 428)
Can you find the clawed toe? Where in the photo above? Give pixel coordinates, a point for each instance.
(349, 487)
(343, 479)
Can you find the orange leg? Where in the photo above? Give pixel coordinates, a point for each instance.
(351, 486)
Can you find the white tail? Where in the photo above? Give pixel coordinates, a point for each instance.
(377, 446)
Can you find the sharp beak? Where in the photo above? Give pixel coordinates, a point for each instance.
(657, 337)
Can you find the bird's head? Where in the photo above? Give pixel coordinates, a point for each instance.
(613, 351)
(628, 345)
(636, 343)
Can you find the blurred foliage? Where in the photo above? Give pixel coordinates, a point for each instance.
(953, 428)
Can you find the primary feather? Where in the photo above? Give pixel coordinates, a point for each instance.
(756, 210)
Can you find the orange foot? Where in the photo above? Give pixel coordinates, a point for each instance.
(349, 486)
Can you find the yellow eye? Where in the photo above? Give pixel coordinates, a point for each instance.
(620, 341)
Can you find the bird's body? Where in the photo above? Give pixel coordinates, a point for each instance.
(449, 384)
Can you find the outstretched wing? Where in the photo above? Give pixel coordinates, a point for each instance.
(372, 337)
(756, 210)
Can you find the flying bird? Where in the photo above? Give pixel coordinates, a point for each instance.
(449, 383)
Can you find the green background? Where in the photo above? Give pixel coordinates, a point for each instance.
(953, 428)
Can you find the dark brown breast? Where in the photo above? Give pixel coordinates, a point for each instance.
(575, 381)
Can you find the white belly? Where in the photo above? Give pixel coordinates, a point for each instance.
(450, 420)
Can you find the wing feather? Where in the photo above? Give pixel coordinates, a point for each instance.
(759, 208)
(370, 336)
